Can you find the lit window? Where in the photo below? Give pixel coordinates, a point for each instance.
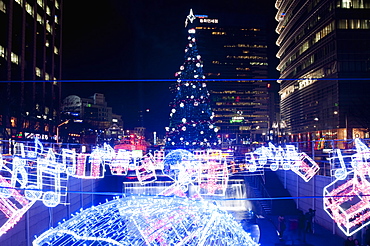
(38, 72)
(48, 27)
(2, 6)
(40, 19)
(354, 24)
(47, 43)
(47, 77)
(29, 9)
(19, 2)
(56, 4)
(56, 19)
(48, 10)
(2, 51)
(347, 4)
(14, 58)
(13, 122)
(40, 3)
(56, 51)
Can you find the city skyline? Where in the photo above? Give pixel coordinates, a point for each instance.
(127, 46)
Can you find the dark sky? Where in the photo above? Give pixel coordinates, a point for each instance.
(135, 39)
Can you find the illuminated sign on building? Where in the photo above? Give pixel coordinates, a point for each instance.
(237, 119)
(208, 20)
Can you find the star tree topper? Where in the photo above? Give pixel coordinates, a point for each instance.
(190, 17)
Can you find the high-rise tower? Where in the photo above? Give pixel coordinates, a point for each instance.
(234, 48)
(325, 66)
(30, 67)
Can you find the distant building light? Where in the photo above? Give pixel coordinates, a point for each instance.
(201, 16)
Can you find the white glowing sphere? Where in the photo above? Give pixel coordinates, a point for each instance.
(183, 120)
(182, 105)
(173, 110)
(184, 128)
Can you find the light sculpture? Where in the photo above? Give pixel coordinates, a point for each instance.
(286, 158)
(305, 167)
(149, 221)
(145, 169)
(13, 203)
(52, 178)
(347, 201)
(120, 162)
(90, 166)
(213, 174)
(182, 167)
(34, 173)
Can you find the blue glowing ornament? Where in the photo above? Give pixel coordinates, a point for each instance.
(149, 221)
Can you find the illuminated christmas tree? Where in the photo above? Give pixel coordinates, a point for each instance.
(191, 116)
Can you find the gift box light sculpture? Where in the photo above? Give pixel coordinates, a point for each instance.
(149, 221)
(346, 199)
(213, 174)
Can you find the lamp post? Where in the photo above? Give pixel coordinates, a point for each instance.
(63, 123)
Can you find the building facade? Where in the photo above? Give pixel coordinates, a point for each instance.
(324, 53)
(30, 67)
(234, 51)
(90, 120)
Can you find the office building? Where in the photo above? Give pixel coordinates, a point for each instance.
(324, 53)
(30, 67)
(90, 120)
(234, 51)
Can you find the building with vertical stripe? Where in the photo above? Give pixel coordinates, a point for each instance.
(30, 67)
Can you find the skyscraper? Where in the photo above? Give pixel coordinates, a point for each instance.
(325, 66)
(30, 65)
(234, 48)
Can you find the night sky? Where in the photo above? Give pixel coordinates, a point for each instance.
(135, 39)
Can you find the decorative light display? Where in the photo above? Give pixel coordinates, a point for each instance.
(347, 201)
(286, 158)
(120, 163)
(149, 221)
(34, 173)
(213, 174)
(145, 170)
(190, 113)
